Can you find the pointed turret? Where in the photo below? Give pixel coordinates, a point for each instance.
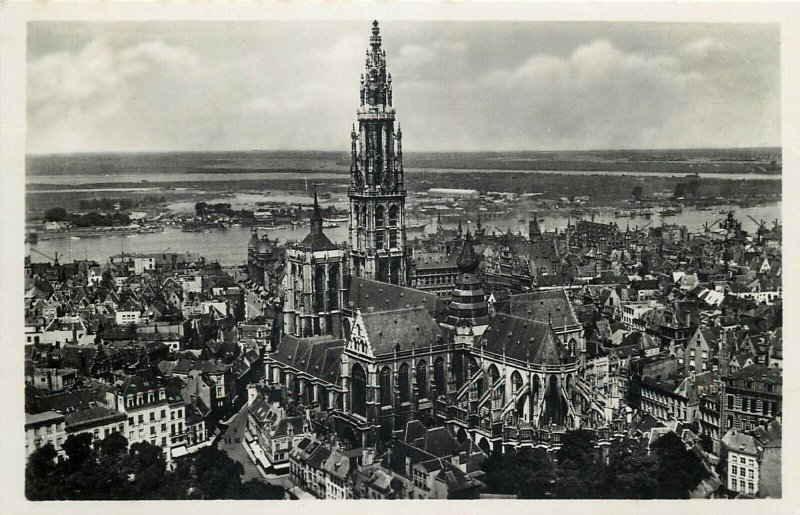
(316, 216)
(468, 260)
(468, 301)
(534, 230)
(316, 239)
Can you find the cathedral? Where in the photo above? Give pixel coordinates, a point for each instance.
(369, 353)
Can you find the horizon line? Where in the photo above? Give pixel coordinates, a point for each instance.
(178, 151)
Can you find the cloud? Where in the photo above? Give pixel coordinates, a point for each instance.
(461, 87)
(73, 95)
(598, 96)
(704, 46)
(414, 55)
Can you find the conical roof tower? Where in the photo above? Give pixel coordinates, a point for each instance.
(468, 304)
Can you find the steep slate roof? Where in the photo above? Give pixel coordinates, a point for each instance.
(317, 242)
(414, 429)
(366, 294)
(740, 442)
(545, 306)
(523, 339)
(434, 260)
(316, 356)
(438, 441)
(406, 327)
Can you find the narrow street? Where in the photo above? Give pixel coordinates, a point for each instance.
(232, 443)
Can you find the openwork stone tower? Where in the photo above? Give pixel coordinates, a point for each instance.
(377, 194)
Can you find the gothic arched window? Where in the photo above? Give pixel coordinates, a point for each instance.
(494, 374)
(516, 381)
(393, 214)
(404, 382)
(458, 369)
(379, 234)
(358, 391)
(386, 386)
(379, 213)
(422, 379)
(440, 377)
(333, 287)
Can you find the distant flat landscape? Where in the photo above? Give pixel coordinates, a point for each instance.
(718, 161)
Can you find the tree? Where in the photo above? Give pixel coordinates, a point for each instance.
(502, 473)
(78, 448)
(631, 472)
(56, 214)
(216, 475)
(578, 447)
(538, 474)
(113, 445)
(255, 489)
(679, 469)
(637, 193)
(577, 473)
(39, 472)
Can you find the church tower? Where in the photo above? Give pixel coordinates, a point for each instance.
(314, 284)
(377, 233)
(468, 305)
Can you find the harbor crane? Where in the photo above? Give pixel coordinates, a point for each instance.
(707, 227)
(762, 227)
(53, 259)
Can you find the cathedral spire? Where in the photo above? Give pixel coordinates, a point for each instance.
(375, 40)
(316, 215)
(377, 191)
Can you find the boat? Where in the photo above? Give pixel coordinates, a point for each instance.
(337, 220)
(416, 227)
(74, 237)
(329, 225)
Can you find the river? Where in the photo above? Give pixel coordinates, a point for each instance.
(200, 178)
(229, 246)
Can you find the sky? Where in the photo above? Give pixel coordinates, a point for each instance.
(458, 86)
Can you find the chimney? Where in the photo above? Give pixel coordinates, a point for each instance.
(408, 466)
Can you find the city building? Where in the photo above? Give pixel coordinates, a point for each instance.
(44, 428)
(751, 396)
